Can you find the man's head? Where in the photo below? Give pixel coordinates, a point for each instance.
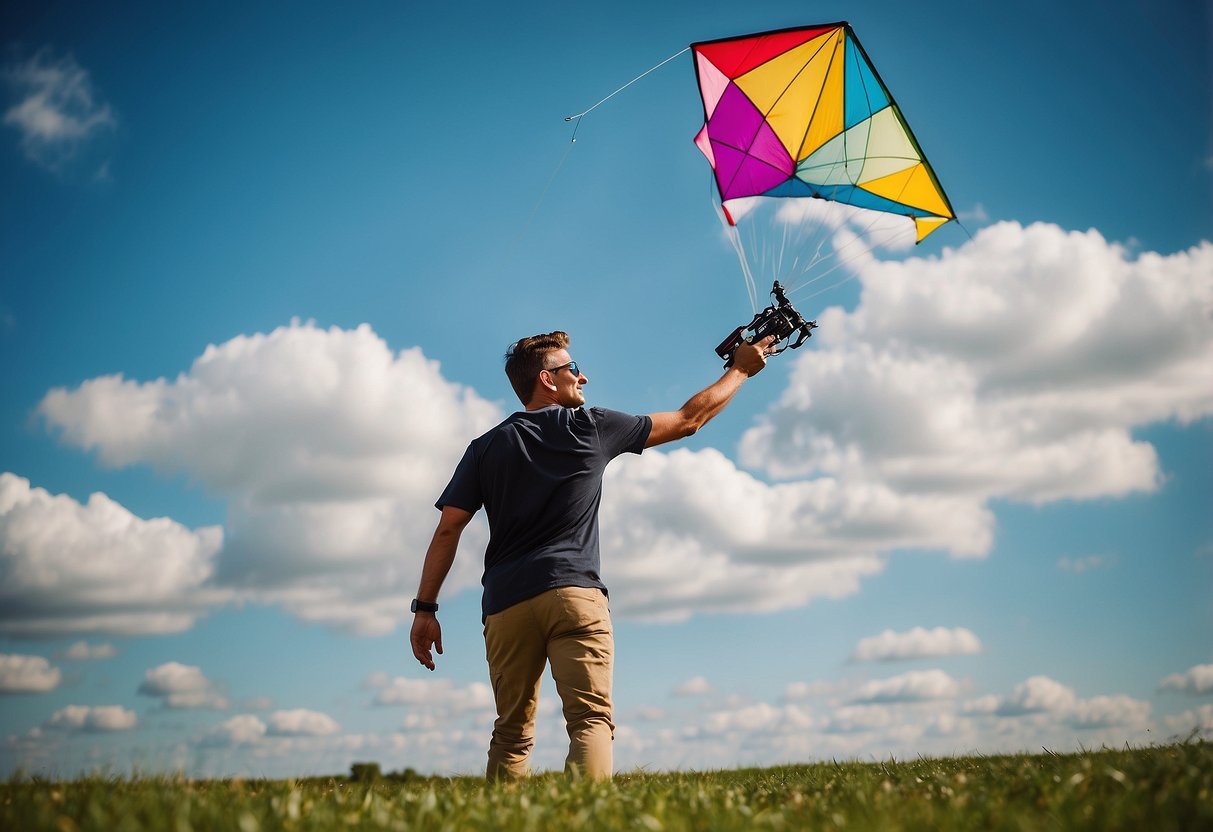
(539, 371)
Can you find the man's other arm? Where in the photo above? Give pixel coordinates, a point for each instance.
(748, 360)
(427, 632)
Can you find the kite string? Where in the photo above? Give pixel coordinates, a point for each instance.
(579, 116)
(530, 218)
(734, 238)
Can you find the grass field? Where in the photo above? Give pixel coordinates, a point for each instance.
(1160, 788)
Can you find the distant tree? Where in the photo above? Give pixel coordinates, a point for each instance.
(365, 772)
(407, 775)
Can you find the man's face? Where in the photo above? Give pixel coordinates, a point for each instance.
(568, 384)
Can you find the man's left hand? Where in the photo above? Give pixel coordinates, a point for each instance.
(426, 635)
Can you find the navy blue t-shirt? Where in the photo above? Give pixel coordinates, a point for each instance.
(538, 475)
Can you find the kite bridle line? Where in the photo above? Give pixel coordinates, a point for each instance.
(864, 234)
(864, 237)
(584, 113)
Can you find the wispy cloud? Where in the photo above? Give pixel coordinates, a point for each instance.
(695, 686)
(55, 109)
(82, 651)
(1078, 565)
(976, 214)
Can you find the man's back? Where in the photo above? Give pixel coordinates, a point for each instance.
(539, 476)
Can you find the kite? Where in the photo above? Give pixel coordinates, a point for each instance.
(803, 113)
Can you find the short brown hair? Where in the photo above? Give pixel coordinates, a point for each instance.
(524, 359)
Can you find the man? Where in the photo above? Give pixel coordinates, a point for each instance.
(539, 476)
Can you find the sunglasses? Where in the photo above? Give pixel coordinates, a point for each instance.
(572, 365)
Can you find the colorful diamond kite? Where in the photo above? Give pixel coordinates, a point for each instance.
(802, 113)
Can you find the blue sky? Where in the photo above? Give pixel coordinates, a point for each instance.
(257, 270)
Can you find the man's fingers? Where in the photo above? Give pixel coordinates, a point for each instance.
(425, 636)
(421, 652)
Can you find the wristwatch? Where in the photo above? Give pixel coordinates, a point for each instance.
(423, 606)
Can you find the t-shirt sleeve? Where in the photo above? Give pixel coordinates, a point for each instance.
(621, 433)
(463, 491)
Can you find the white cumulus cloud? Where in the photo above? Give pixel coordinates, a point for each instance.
(915, 686)
(299, 415)
(302, 722)
(95, 719)
(329, 448)
(796, 691)
(857, 719)
(244, 729)
(695, 686)
(27, 674)
(1106, 711)
(95, 567)
(1196, 680)
(688, 531)
(756, 718)
(182, 686)
(1041, 697)
(917, 643)
(437, 695)
(1016, 366)
(1035, 695)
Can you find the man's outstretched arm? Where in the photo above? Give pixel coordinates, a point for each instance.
(427, 632)
(748, 360)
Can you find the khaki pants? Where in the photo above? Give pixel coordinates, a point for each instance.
(571, 628)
